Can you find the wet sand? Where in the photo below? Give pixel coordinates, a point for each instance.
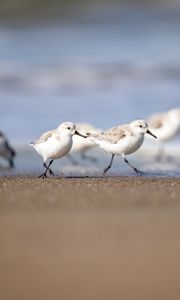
(91, 238)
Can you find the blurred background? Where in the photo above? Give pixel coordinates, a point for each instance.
(101, 61)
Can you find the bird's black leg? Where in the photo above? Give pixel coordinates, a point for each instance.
(44, 175)
(109, 166)
(135, 169)
(48, 168)
(11, 163)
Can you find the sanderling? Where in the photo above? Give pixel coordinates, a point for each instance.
(6, 151)
(55, 144)
(122, 140)
(166, 126)
(81, 145)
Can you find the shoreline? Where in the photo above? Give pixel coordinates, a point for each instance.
(89, 193)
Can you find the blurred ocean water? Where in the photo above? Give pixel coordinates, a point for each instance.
(105, 73)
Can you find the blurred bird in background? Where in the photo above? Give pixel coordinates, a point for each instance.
(166, 126)
(82, 146)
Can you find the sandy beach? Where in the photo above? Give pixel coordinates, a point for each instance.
(89, 238)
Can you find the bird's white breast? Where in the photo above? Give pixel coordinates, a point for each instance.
(126, 145)
(54, 148)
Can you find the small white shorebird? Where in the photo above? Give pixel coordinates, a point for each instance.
(55, 144)
(81, 145)
(166, 126)
(6, 151)
(122, 140)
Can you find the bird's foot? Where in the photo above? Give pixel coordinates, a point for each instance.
(51, 172)
(139, 172)
(43, 175)
(105, 170)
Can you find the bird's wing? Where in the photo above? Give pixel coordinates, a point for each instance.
(44, 137)
(114, 135)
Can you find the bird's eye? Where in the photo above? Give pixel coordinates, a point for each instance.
(87, 133)
(69, 128)
(140, 126)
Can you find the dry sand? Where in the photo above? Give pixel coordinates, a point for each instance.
(82, 239)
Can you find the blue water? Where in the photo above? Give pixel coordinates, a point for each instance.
(105, 73)
(26, 114)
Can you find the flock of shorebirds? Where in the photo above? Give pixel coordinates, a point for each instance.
(69, 138)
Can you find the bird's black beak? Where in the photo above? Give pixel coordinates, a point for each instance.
(149, 132)
(77, 133)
